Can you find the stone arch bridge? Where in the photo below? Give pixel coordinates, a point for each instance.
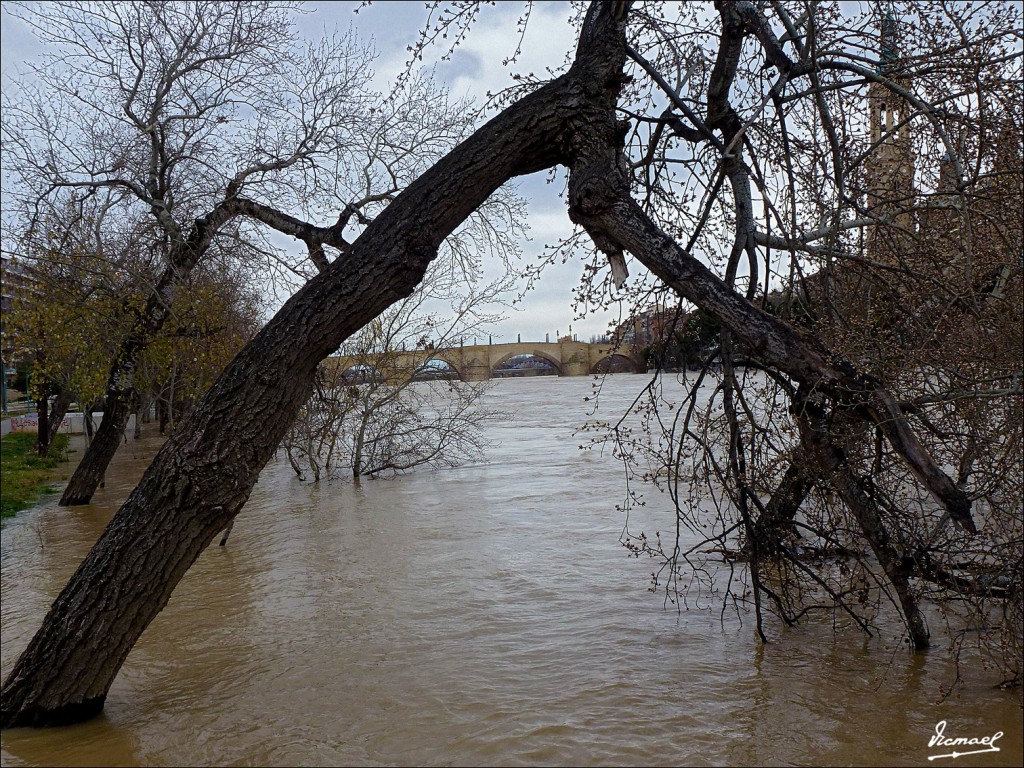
(478, 362)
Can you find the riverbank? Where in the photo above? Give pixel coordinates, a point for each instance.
(26, 476)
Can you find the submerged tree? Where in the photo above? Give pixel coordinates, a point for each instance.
(387, 403)
(875, 179)
(798, 61)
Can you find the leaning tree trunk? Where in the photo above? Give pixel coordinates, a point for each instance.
(599, 200)
(90, 431)
(775, 523)
(57, 414)
(89, 473)
(204, 473)
(147, 321)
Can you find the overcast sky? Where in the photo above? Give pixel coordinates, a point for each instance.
(474, 70)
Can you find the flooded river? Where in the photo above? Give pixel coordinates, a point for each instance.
(478, 616)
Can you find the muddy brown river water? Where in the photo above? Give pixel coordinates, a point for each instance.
(481, 616)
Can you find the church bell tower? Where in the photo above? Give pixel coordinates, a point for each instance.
(889, 167)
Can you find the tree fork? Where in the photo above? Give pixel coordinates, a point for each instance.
(205, 472)
(776, 521)
(599, 200)
(898, 568)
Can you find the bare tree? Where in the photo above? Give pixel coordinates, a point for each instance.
(379, 406)
(868, 170)
(205, 472)
(183, 113)
(208, 121)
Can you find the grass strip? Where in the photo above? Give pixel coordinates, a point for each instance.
(24, 476)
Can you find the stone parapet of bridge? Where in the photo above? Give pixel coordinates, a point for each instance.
(478, 362)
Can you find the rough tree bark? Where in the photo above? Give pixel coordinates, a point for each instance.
(57, 413)
(205, 472)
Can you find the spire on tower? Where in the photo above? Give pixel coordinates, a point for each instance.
(888, 40)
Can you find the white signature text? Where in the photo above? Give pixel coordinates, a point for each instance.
(941, 740)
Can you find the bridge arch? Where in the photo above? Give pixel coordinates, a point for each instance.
(615, 362)
(538, 354)
(452, 358)
(437, 367)
(360, 373)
